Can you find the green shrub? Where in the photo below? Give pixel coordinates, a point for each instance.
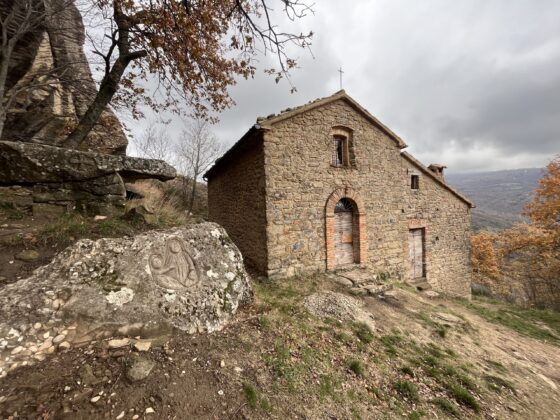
(363, 332)
(356, 367)
(446, 406)
(407, 370)
(407, 389)
(464, 397)
(251, 395)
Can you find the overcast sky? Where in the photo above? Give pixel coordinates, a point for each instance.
(471, 84)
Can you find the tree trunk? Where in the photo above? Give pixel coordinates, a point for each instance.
(107, 90)
(193, 192)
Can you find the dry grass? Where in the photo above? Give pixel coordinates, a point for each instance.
(167, 207)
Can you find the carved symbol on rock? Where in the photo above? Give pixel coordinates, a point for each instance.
(173, 268)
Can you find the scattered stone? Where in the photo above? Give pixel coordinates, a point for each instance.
(431, 294)
(67, 388)
(27, 255)
(343, 281)
(136, 416)
(358, 291)
(390, 293)
(220, 392)
(149, 410)
(548, 381)
(139, 369)
(222, 364)
(59, 339)
(376, 289)
(237, 369)
(118, 343)
(120, 416)
(142, 345)
(37, 326)
(95, 399)
(140, 211)
(99, 217)
(447, 318)
(338, 306)
(17, 350)
(65, 345)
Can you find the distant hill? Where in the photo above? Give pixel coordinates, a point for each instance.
(499, 196)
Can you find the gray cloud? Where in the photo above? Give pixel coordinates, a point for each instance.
(472, 84)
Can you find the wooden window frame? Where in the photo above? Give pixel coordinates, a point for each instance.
(338, 139)
(415, 182)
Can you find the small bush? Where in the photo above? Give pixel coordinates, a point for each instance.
(441, 331)
(498, 384)
(464, 397)
(446, 406)
(407, 389)
(264, 322)
(363, 332)
(416, 415)
(356, 367)
(251, 395)
(407, 370)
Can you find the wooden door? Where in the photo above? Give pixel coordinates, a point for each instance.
(343, 239)
(416, 247)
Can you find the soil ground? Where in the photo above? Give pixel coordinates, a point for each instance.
(483, 359)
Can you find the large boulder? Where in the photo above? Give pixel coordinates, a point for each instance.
(50, 60)
(33, 163)
(191, 279)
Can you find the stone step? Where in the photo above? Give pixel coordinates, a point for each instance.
(421, 285)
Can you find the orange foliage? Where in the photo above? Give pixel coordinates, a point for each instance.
(485, 258)
(526, 253)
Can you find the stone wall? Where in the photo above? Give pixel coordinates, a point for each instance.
(300, 179)
(236, 200)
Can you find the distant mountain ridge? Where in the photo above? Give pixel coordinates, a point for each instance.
(499, 196)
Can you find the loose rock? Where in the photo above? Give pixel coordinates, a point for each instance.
(27, 255)
(139, 369)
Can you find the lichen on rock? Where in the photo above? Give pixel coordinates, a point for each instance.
(158, 281)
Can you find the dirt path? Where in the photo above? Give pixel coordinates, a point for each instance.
(278, 361)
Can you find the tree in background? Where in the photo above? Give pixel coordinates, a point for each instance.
(194, 49)
(527, 256)
(154, 143)
(196, 150)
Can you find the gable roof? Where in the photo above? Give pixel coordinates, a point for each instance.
(436, 178)
(340, 95)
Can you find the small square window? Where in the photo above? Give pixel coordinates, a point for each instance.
(415, 182)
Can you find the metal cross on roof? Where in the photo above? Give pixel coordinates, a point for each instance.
(340, 71)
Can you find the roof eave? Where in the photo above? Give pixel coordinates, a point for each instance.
(437, 179)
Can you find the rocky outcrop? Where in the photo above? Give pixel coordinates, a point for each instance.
(51, 60)
(192, 279)
(63, 180)
(31, 163)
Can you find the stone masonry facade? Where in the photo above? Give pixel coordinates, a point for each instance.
(291, 156)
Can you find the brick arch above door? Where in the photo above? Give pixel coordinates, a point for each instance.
(334, 198)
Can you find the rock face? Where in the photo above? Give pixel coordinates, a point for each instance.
(32, 163)
(52, 60)
(191, 278)
(64, 179)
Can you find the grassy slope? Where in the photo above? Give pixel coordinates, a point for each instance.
(276, 360)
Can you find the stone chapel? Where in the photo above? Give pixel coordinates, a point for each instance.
(327, 186)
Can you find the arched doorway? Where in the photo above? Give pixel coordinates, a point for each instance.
(345, 229)
(345, 232)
